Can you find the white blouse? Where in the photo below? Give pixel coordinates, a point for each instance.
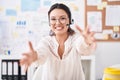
(51, 67)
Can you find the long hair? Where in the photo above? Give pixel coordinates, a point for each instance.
(67, 10)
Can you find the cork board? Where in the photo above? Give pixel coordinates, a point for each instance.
(107, 31)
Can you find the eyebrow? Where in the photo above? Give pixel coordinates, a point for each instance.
(59, 17)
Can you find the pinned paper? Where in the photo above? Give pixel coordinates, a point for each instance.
(105, 36)
(116, 28)
(115, 35)
(111, 18)
(108, 31)
(17, 8)
(1, 8)
(15, 35)
(32, 5)
(93, 2)
(11, 12)
(101, 36)
(12, 19)
(100, 7)
(104, 4)
(74, 7)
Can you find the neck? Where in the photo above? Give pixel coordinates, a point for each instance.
(61, 38)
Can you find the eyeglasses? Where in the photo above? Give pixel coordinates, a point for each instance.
(62, 20)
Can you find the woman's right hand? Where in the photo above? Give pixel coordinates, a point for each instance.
(28, 57)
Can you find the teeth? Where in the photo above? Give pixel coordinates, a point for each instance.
(58, 28)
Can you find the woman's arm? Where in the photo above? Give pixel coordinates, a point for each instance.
(86, 43)
(83, 48)
(37, 56)
(28, 57)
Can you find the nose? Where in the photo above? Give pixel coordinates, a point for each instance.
(58, 21)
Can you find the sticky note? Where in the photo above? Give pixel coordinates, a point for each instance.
(11, 12)
(100, 7)
(12, 19)
(105, 36)
(17, 8)
(15, 35)
(1, 9)
(116, 28)
(104, 4)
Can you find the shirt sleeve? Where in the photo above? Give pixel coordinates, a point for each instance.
(42, 51)
(82, 47)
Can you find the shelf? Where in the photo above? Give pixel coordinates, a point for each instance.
(88, 63)
(86, 60)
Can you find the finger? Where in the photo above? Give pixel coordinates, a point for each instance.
(87, 30)
(26, 67)
(23, 61)
(93, 39)
(25, 64)
(78, 28)
(92, 34)
(30, 46)
(94, 45)
(26, 56)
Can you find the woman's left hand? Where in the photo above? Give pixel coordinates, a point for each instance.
(88, 36)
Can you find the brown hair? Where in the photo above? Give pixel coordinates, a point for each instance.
(67, 10)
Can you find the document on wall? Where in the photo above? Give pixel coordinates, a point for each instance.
(113, 15)
(94, 20)
(113, 0)
(32, 5)
(94, 2)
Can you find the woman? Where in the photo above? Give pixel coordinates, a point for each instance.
(59, 54)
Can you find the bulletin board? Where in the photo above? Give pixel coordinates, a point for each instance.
(104, 16)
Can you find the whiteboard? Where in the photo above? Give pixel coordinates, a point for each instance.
(20, 23)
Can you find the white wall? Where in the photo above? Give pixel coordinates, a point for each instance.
(107, 54)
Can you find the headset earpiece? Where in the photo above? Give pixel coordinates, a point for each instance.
(72, 21)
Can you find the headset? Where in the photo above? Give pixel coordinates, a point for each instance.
(71, 22)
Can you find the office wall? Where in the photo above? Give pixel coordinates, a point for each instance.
(18, 24)
(107, 54)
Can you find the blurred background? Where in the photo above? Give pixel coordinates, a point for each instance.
(26, 20)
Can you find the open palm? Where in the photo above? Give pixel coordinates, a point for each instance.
(88, 36)
(28, 57)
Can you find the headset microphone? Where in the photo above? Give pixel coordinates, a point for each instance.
(67, 24)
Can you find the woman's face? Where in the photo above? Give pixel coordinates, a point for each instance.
(59, 21)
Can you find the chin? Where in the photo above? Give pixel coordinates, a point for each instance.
(60, 33)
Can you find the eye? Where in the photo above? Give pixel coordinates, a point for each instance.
(62, 18)
(53, 19)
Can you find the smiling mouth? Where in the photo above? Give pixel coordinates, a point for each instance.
(59, 28)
